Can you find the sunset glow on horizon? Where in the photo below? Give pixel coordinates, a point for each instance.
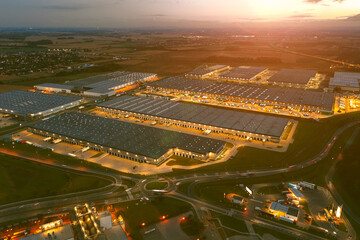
(121, 13)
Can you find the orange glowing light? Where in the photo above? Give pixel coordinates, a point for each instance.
(143, 224)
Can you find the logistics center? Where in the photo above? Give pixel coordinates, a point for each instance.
(304, 100)
(246, 125)
(127, 140)
(31, 105)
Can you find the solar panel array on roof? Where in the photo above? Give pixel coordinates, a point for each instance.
(130, 137)
(26, 103)
(296, 76)
(242, 72)
(211, 116)
(249, 91)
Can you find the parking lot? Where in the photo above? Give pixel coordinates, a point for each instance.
(6, 120)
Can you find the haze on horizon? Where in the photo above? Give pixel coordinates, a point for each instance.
(163, 13)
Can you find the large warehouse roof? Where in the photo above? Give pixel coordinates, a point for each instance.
(248, 91)
(26, 103)
(211, 116)
(243, 72)
(295, 76)
(98, 78)
(206, 70)
(129, 137)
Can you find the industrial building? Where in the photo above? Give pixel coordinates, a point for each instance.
(131, 141)
(292, 77)
(53, 87)
(247, 125)
(242, 73)
(100, 86)
(269, 95)
(283, 211)
(346, 81)
(207, 71)
(31, 105)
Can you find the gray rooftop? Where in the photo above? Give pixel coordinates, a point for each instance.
(243, 72)
(188, 112)
(296, 76)
(345, 79)
(275, 206)
(26, 103)
(129, 137)
(250, 91)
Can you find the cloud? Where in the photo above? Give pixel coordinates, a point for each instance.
(303, 15)
(322, 1)
(158, 15)
(64, 7)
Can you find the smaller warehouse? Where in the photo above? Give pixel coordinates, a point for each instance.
(207, 71)
(346, 81)
(242, 73)
(292, 77)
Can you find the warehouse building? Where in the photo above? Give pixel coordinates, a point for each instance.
(104, 85)
(299, 99)
(31, 105)
(292, 77)
(346, 81)
(242, 73)
(246, 125)
(207, 71)
(127, 140)
(53, 87)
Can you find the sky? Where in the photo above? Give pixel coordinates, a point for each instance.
(152, 13)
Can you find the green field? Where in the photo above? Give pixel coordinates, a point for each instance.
(346, 177)
(159, 185)
(214, 192)
(22, 180)
(231, 222)
(135, 213)
(269, 190)
(262, 231)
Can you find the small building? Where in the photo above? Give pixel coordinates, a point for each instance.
(285, 211)
(105, 220)
(237, 200)
(296, 193)
(346, 81)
